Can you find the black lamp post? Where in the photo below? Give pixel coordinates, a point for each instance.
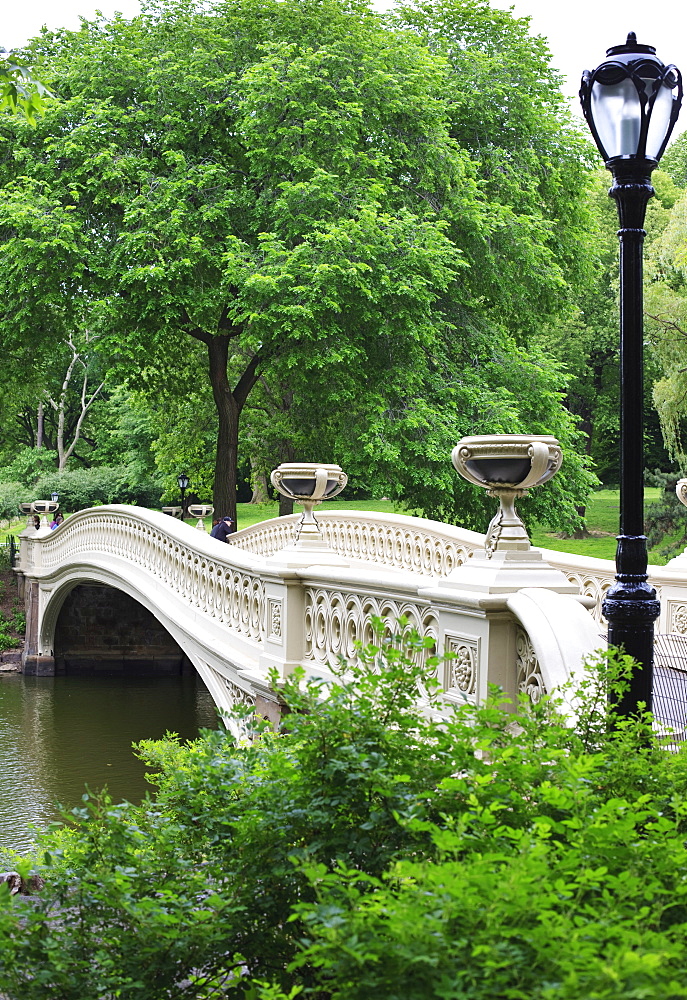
(182, 480)
(54, 496)
(631, 102)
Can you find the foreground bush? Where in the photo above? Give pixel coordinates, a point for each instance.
(369, 851)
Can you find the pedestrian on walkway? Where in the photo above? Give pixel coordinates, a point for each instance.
(224, 528)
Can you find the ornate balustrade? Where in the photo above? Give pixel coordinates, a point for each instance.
(430, 548)
(238, 610)
(224, 590)
(414, 544)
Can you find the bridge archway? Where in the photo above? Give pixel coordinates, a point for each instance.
(207, 648)
(101, 629)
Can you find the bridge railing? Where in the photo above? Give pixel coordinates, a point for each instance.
(430, 548)
(239, 609)
(414, 544)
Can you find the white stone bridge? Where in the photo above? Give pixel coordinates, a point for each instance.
(235, 611)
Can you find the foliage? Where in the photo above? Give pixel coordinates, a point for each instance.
(29, 464)
(666, 519)
(7, 640)
(666, 306)
(78, 488)
(82, 488)
(374, 849)
(675, 160)
(12, 628)
(19, 89)
(300, 189)
(11, 495)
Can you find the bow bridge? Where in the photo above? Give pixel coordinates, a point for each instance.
(120, 584)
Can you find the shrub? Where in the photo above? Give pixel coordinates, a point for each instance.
(81, 488)
(375, 850)
(11, 495)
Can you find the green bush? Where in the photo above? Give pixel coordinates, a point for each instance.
(81, 488)
(375, 850)
(11, 495)
(7, 641)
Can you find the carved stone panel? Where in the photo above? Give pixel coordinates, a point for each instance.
(461, 670)
(274, 618)
(237, 695)
(529, 678)
(677, 617)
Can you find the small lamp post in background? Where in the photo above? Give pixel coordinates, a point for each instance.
(54, 496)
(182, 480)
(631, 103)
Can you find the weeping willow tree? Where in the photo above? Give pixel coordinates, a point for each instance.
(666, 308)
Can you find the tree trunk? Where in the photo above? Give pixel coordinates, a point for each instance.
(228, 412)
(583, 531)
(258, 481)
(64, 452)
(285, 506)
(39, 426)
(229, 403)
(287, 454)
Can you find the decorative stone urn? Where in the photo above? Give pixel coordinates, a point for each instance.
(507, 466)
(308, 483)
(172, 511)
(25, 508)
(680, 562)
(44, 507)
(200, 510)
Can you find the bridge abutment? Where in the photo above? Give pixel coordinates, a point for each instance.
(34, 662)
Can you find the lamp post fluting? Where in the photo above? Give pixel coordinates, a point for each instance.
(631, 103)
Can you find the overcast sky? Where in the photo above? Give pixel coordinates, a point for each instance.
(578, 32)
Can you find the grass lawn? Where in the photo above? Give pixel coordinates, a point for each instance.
(602, 522)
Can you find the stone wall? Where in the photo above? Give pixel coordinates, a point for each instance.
(101, 630)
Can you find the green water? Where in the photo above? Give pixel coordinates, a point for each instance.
(60, 734)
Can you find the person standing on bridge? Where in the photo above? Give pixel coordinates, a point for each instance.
(223, 528)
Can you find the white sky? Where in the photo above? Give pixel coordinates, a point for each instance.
(578, 32)
(19, 21)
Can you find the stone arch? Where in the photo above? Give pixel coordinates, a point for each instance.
(101, 629)
(54, 594)
(46, 599)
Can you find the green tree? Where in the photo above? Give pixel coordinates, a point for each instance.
(297, 185)
(666, 308)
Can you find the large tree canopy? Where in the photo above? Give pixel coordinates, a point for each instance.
(313, 193)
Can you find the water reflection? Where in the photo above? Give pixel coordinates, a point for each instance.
(59, 734)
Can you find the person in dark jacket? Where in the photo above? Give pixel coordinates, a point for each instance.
(222, 529)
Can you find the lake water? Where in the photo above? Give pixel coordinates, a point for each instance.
(60, 734)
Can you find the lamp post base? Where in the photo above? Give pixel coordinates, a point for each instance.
(631, 608)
